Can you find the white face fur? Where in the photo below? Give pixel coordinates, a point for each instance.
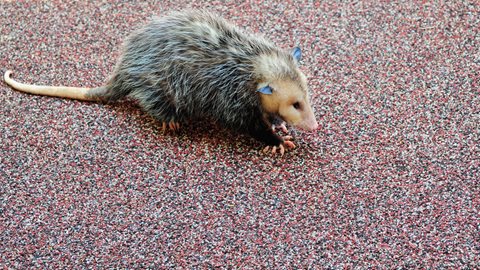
(290, 101)
(286, 97)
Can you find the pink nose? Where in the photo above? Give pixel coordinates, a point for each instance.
(311, 124)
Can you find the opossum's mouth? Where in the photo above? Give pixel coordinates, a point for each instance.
(307, 125)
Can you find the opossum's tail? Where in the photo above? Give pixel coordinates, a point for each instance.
(79, 93)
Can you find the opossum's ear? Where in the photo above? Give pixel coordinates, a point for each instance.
(267, 90)
(297, 53)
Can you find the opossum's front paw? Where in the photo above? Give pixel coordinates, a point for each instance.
(282, 126)
(287, 144)
(174, 126)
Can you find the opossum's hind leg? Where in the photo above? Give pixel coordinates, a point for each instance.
(161, 108)
(171, 122)
(168, 117)
(172, 125)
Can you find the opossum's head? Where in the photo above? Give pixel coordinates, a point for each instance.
(283, 90)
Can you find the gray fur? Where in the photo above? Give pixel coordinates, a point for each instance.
(194, 64)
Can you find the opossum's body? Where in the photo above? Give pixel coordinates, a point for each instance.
(194, 64)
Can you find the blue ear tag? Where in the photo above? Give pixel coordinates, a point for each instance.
(297, 53)
(267, 90)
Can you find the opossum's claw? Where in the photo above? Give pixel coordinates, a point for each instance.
(288, 143)
(174, 126)
(281, 148)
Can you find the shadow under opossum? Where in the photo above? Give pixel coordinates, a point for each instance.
(192, 131)
(206, 133)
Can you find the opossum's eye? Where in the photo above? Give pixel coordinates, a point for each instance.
(297, 105)
(297, 53)
(267, 90)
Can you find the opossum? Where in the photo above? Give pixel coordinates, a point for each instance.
(194, 64)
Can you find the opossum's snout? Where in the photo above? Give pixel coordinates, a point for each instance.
(284, 91)
(309, 123)
(287, 100)
(299, 114)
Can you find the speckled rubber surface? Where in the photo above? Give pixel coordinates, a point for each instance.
(389, 181)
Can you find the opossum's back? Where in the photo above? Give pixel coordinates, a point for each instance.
(171, 63)
(197, 39)
(198, 58)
